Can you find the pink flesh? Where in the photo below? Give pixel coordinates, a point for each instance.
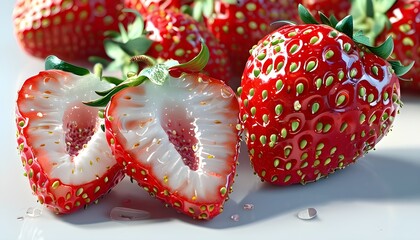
(79, 123)
(181, 131)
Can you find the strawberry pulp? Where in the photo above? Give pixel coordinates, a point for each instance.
(182, 133)
(79, 125)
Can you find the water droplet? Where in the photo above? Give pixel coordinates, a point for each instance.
(128, 214)
(20, 218)
(307, 214)
(33, 212)
(235, 217)
(248, 206)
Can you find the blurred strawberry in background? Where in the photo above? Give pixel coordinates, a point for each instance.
(70, 29)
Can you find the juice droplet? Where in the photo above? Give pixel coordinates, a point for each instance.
(33, 212)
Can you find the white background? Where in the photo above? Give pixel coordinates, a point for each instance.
(377, 198)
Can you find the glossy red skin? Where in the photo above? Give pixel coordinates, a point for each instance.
(146, 6)
(144, 174)
(43, 28)
(289, 159)
(338, 8)
(177, 36)
(407, 42)
(239, 34)
(62, 199)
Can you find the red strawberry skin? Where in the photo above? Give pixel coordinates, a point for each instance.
(143, 141)
(405, 30)
(239, 26)
(42, 150)
(71, 30)
(146, 6)
(312, 102)
(177, 36)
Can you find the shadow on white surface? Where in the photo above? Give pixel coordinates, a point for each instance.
(380, 176)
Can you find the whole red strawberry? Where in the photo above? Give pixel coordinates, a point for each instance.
(336, 8)
(72, 30)
(398, 19)
(240, 24)
(313, 100)
(63, 149)
(176, 135)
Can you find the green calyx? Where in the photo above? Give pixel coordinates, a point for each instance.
(346, 26)
(122, 46)
(156, 73)
(370, 16)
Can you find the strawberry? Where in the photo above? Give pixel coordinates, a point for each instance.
(167, 34)
(398, 19)
(146, 6)
(314, 99)
(63, 150)
(240, 24)
(176, 135)
(72, 30)
(338, 8)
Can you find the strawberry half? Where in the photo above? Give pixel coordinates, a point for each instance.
(63, 149)
(314, 99)
(177, 137)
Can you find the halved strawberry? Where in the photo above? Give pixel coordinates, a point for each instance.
(63, 149)
(177, 137)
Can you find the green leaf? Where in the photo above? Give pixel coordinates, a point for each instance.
(198, 11)
(359, 37)
(369, 9)
(306, 16)
(137, 46)
(324, 19)
(346, 26)
(53, 62)
(400, 69)
(113, 49)
(230, 1)
(112, 34)
(107, 94)
(385, 49)
(112, 80)
(333, 21)
(157, 74)
(135, 29)
(123, 32)
(198, 62)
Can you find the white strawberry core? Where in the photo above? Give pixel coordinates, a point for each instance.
(182, 131)
(53, 132)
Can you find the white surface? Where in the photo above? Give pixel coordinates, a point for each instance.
(377, 198)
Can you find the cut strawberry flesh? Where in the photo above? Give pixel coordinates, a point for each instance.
(182, 132)
(79, 125)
